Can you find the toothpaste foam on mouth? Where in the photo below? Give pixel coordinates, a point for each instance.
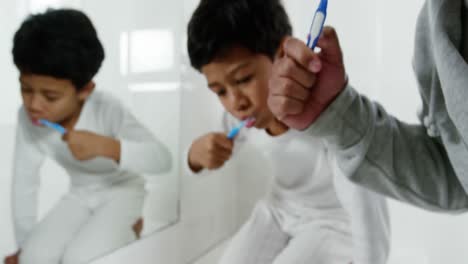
(36, 122)
(250, 122)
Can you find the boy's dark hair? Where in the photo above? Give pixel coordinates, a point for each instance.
(218, 25)
(61, 43)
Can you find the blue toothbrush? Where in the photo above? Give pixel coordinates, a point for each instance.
(54, 126)
(317, 24)
(233, 133)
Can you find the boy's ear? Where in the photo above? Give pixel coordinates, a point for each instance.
(86, 91)
(280, 51)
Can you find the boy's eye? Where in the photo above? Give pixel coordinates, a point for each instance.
(25, 90)
(244, 80)
(51, 99)
(221, 92)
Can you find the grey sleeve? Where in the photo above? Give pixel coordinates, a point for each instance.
(388, 156)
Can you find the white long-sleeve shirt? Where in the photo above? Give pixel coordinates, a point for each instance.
(306, 187)
(102, 114)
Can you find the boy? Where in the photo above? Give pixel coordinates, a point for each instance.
(105, 150)
(425, 165)
(311, 214)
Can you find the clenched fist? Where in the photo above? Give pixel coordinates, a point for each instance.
(304, 83)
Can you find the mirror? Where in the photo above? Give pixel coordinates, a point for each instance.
(141, 69)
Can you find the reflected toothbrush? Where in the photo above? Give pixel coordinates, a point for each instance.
(235, 131)
(317, 24)
(53, 126)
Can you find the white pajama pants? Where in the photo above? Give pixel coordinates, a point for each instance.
(262, 241)
(84, 226)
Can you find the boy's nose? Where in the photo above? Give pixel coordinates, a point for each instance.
(35, 104)
(243, 107)
(240, 102)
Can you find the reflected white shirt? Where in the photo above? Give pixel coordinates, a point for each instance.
(102, 114)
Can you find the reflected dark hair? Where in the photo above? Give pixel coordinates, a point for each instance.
(218, 25)
(61, 43)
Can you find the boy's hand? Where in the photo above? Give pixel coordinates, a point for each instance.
(210, 152)
(86, 145)
(137, 227)
(303, 83)
(12, 259)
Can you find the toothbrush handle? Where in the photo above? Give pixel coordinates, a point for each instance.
(54, 126)
(316, 29)
(233, 133)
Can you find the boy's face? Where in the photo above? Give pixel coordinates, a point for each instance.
(49, 98)
(240, 79)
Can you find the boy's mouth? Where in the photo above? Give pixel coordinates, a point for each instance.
(250, 122)
(36, 122)
(35, 119)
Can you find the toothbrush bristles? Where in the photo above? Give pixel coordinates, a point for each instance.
(250, 122)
